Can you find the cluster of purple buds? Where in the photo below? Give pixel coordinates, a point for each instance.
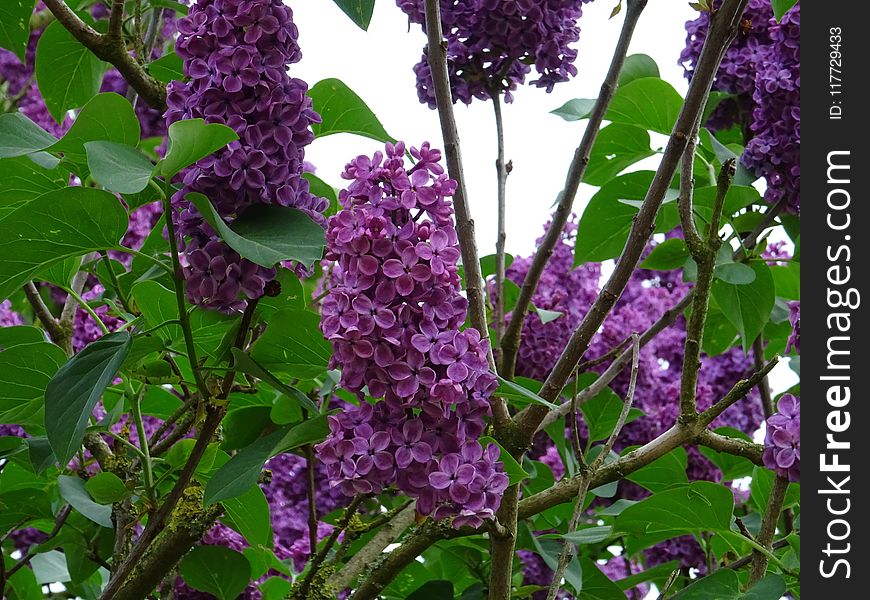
(794, 317)
(762, 70)
(782, 440)
(236, 54)
(493, 44)
(393, 314)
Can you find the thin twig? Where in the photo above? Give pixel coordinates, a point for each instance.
(768, 528)
(511, 341)
(567, 553)
(763, 386)
(57, 334)
(501, 173)
(437, 56)
(312, 498)
(112, 50)
(723, 27)
(58, 523)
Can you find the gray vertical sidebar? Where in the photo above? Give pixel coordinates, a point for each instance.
(835, 256)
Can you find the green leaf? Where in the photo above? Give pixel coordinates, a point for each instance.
(244, 363)
(76, 388)
(662, 473)
(602, 411)
(587, 535)
(699, 506)
(606, 221)
(15, 26)
(19, 136)
(434, 589)
(546, 316)
(118, 167)
(15, 335)
(616, 148)
(267, 234)
(275, 588)
(575, 110)
(734, 273)
(292, 295)
(25, 370)
(549, 550)
(293, 345)
(721, 585)
(106, 488)
(515, 472)
(787, 280)
(771, 587)
(520, 393)
(732, 467)
(189, 141)
(488, 264)
(747, 307)
(106, 117)
(242, 471)
(72, 489)
(68, 222)
(249, 515)
(167, 68)
(342, 111)
(50, 567)
(359, 11)
(321, 189)
(216, 570)
(22, 180)
(637, 66)
(597, 585)
(68, 74)
(670, 254)
(780, 7)
(650, 102)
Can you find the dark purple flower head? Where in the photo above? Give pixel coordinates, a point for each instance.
(492, 45)
(762, 70)
(794, 317)
(393, 313)
(235, 58)
(782, 440)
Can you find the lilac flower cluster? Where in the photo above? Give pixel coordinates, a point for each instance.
(563, 289)
(794, 317)
(537, 573)
(8, 317)
(393, 315)
(762, 70)
(492, 45)
(236, 53)
(648, 295)
(782, 439)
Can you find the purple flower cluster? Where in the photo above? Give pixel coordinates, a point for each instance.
(782, 440)
(8, 317)
(762, 70)
(393, 314)
(794, 317)
(236, 54)
(563, 289)
(493, 44)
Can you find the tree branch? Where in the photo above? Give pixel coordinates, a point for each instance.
(704, 254)
(510, 343)
(502, 171)
(768, 528)
(111, 49)
(55, 331)
(723, 27)
(437, 56)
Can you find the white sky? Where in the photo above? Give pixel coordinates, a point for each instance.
(377, 66)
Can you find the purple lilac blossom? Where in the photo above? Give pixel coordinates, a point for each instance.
(235, 56)
(794, 317)
(762, 70)
(85, 329)
(782, 440)
(493, 44)
(648, 295)
(9, 317)
(393, 315)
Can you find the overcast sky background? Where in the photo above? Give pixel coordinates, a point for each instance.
(378, 64)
